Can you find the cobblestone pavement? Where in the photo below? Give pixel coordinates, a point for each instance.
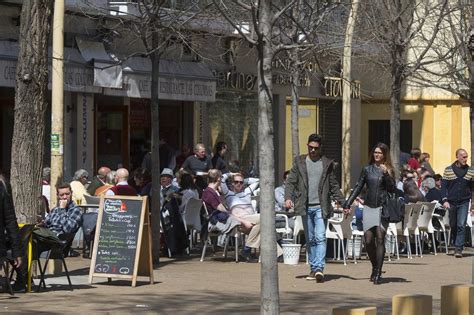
(218, 286)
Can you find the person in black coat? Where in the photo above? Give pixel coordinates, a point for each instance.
(8, 223)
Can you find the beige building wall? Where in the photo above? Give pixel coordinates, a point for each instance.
(439, 128)
(308, 123)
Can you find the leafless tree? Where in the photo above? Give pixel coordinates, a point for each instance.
(304, 27)
(453, 49)
(159, 25)
(400, 35)
(30, 107)
(264, 21)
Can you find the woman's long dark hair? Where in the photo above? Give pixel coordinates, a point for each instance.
(386, 156)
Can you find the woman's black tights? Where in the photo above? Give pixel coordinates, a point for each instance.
(375, 246)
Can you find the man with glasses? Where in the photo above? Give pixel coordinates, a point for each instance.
(457, 192)
(239, 202)
(313, 182)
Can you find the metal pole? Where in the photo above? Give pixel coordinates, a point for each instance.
(57, 105)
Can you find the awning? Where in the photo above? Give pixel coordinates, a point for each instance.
(107, 71)
(183, 81)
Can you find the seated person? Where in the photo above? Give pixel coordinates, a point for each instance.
(65, 218)
(240, 204)
(98, 180)
(412, 193)
(78, 186)
(109, 183)
(220, 219)
(188, 190)
(142, 179)
(9, 225)
(167, 187)
(121, 187)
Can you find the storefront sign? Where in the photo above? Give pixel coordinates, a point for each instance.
(76, 79)
(333, 87)
(178, 89)
(235, 80)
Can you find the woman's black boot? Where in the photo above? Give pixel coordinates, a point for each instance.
(378, 277)
(373, 274)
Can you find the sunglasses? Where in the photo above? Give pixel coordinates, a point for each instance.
(238, 182)
(311, 148)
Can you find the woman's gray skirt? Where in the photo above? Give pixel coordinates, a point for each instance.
(373, 217)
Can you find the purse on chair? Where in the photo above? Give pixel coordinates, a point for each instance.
(394, 209)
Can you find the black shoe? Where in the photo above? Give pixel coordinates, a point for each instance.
(378, 277)
(373, 274)
(458, 253)
(319, 276)
(19, 287)
(86, 254)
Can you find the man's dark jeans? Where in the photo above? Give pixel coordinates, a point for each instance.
(457, 220)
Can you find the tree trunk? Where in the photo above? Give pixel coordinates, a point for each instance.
(295, 98)
(269, 270)
(30, 108)
(155, 150)
(346, 99)
(395, 99)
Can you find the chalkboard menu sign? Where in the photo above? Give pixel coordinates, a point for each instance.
(122, 244)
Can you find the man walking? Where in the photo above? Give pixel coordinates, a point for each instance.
(313, 182)
(457, 192)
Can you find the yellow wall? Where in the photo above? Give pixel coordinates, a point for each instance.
(308, 123)
(438, 128)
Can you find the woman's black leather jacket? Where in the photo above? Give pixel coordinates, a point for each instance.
(378, 183)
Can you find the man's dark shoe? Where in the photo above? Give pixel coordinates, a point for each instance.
(311, 276)
(319, 276)
(458, 253)
(19, 287)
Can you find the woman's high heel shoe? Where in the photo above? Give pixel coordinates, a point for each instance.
(373, 274)
(378, 278)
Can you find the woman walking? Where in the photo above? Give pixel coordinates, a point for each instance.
(378, 177)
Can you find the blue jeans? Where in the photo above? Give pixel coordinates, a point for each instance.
(315, 232)
(457, 220)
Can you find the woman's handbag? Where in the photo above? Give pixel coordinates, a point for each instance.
(394, 209)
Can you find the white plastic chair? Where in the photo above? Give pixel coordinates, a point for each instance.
(235, 232)
(412, 212)
(392, 235)
(286, 229)
(298, 230)
(447, 226)
(192, 218)
(425, 224)
(339, 229)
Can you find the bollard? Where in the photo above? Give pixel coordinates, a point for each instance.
(457, 299)
(349, 310)
(412, 304)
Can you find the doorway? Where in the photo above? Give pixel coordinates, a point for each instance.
(112, 136)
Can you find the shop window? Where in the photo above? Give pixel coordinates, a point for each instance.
(379, 131)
